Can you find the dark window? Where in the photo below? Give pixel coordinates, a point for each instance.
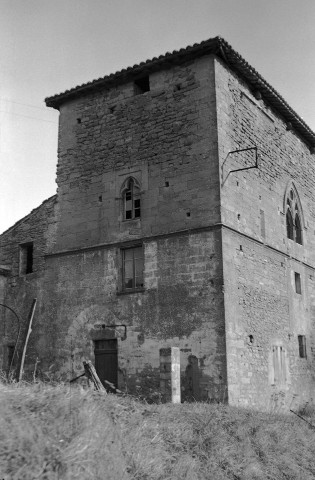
(26, 258)
(293, 218)
(302, 346)
(298, 230)
(297, 278)
(290, 231)
(132, 202)
(142, 85)
(132, 268)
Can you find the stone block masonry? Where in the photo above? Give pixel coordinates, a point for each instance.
(177, 307)
(152, 242)
(262, 308)
(165, 139)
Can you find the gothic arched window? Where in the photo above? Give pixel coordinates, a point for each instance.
(293, 216)
(131, 200)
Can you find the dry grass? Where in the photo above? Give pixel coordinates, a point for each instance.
(53, 433)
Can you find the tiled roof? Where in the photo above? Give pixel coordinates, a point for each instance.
(217, 46)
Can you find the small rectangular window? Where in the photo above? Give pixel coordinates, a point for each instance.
(132, 268)
(132, 201)
(262, 224)
(302, 346)
(26, 258)
(297, 278)
(142, 85)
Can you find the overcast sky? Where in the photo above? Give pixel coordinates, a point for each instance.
(48, 46)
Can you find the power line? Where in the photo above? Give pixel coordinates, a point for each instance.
(27, 116)
(24, 104)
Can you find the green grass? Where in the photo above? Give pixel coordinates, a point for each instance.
(51, 432)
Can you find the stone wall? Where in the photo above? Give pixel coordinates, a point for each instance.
(220, 272)
(38, 228)
(181, 305)
(262, 308)
(165, 138)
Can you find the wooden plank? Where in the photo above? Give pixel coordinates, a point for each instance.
(92, 375)
(29, 329)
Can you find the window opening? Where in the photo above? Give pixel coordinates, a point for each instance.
(26, 258)
(298, 230)
(293, 218)
(132, 202)
(290, 230)
(297, 278)
(133, 265)
(142, 85)
(302, 346)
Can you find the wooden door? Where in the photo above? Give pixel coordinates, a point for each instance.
(106, 361)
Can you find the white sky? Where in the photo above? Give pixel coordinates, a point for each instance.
(49, 46)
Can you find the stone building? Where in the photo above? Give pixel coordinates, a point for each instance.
(184, 216)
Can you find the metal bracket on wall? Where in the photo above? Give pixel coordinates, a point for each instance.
(102, 326)
(240, 169)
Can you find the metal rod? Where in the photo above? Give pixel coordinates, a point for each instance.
(245, 150)
(313, 426)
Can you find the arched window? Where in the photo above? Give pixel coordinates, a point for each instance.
(131, 200)
(293, 216)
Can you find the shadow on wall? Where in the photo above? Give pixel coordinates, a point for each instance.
(198, 387)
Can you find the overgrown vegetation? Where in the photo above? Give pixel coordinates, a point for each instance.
(54, 432)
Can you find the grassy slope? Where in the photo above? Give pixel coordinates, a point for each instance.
(54, 433)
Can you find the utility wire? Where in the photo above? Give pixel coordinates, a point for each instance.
(25, 104)
(27, 116)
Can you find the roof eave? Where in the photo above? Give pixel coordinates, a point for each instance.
(217, 46)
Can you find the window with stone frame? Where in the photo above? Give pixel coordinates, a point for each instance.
(132, 268)
(131, 197)
(26, 258)
(293, 217)
(302, 346)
